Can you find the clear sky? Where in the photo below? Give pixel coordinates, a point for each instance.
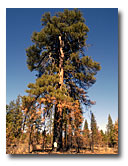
(103, 36)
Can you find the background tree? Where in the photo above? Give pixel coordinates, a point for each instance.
(110, 131)
(104, 138)
(14, 122)
(86, 134)
(32, 121)
(93, 131)
(116, 133)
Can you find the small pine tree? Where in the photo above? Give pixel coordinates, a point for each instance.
(116, 134)
(104, 139)
(86, 134)
(110, 132)
(93, 131)
(14, 121)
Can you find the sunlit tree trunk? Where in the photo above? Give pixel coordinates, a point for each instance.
(58, 116)
(65, 134)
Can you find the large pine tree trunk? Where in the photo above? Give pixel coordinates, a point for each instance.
(57, 131)
(65, 136)
(58, 115)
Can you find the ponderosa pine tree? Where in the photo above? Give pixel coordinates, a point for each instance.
(104, 138)
(110, 131)
(116, 133)
(14, 121)
(93, 131)
(33, 120)
(86, 134)
(64, 71)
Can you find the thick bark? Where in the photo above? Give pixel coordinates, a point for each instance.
(56, 126)
(60, 145)
(58, 116)
(57, 133)
(61, 63)
(65, 136)
(44, 135)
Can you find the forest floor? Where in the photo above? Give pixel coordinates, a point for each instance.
(24, 150)
(73, 151)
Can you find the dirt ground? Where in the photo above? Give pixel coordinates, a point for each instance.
(72, 151)
(22, 149)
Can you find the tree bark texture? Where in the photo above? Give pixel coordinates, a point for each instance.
(58, 115)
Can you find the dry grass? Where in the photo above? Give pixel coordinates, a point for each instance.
(23, 149)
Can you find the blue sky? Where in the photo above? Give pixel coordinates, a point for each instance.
(103, 36)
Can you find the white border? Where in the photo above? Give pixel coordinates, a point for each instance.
(123, 45)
